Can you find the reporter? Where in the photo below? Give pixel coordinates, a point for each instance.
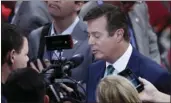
(14, 50)
(116, 89)
(25, 86)
(151, 94)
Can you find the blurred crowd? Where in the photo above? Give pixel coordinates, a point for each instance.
(30, 15)
(138, 37)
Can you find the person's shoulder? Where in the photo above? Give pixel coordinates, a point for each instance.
(80, 30)
(82, 25)
(35, 31)
(147, 63)
(146, 67)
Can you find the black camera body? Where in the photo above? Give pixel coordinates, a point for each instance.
(59, 72)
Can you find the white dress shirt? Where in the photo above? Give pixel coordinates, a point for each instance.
(121, 63)
(68, 31)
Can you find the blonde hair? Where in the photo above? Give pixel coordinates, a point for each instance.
(116, 89)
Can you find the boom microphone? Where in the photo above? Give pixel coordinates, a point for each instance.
(73, 62)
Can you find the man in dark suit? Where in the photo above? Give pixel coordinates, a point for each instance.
(64, 21)
(142, 36)
(109, 41)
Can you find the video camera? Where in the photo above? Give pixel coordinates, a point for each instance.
(60, 86)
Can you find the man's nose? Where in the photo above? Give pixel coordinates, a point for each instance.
(91, 41)
(27, 58)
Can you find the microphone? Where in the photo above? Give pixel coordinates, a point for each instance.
(73, 62)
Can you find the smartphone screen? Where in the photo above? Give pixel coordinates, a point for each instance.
(127, 73)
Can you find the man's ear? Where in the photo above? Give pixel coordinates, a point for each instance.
(46, 99)
(119, 34)
(11, 56)
(79, 6)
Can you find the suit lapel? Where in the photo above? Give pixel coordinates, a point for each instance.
(100, 70)
(134, 63)
(78, 38)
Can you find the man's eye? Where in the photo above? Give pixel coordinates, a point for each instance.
(97, 36)
(88, 35)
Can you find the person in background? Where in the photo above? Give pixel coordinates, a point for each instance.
(65, 21)
(116, 89)
(14, 50)
(25, 86)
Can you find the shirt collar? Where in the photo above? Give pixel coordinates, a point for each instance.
(69, 30)
(122, 62)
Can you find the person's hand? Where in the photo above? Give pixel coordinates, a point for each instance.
(149, 92)
(40, 67)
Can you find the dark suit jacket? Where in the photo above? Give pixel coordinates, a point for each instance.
(141, 67)
(81, 47)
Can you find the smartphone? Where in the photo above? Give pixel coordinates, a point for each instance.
(127, 73)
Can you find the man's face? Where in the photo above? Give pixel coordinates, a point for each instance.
(20, 59)
(61, 8)
(102, 45)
